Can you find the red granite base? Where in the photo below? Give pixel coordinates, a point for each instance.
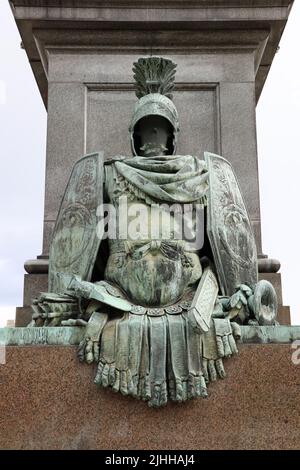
(48, 401)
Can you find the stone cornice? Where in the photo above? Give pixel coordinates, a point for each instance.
(46, 25)
(152, 3)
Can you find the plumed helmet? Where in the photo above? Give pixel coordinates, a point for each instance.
(154, 77)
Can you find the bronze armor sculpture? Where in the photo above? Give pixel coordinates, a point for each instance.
(161, 308)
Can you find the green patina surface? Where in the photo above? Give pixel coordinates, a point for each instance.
(147, 307)
(60, 336)
(69, 336)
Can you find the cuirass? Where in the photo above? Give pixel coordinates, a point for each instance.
(148, 258)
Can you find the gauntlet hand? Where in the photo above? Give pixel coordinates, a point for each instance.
(51, 309)
(218, 343)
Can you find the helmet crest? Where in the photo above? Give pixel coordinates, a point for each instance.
(154, 77)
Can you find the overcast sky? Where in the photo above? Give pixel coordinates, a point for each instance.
(23, 149)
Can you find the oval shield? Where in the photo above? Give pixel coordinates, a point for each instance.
(75, 242)
(229, 228)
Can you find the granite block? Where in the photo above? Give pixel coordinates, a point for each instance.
(33, 285)
(49, 401)
(23, 316)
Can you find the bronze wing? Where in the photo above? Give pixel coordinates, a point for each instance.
(229, 228)
(75, 241)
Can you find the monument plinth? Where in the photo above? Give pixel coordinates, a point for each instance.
(255, 407)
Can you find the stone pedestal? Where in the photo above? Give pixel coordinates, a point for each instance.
(49, 401)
